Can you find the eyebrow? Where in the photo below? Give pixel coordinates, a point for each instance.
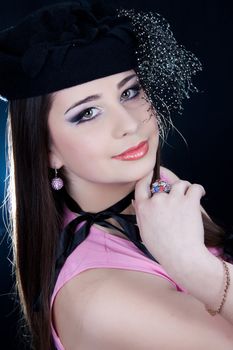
(97, 97)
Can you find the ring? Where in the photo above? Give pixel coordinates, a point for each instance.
(160, 186)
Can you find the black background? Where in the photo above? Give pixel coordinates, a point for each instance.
(206, 28)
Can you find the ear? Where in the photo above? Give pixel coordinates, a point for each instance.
(55, 161)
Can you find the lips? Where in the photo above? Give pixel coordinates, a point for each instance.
(134, 153)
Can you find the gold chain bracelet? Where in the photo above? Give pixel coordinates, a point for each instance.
(226, 287)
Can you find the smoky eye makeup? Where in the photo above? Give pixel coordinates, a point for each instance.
(136, 88)
(85, 115)
(90, 113)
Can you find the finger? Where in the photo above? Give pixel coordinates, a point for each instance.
(168, 176)
(196, 191)
(180, 187)
(142, 188)
(160, 187)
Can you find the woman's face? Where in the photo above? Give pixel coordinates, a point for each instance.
(92, 123)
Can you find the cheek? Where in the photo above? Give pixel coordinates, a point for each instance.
(148, 115)
(153, 121)
(79, 149)
(151, 124)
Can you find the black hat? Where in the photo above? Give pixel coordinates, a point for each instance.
(67, 44)
(63, 45)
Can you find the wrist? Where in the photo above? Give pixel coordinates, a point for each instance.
(225, 287)
(186, 266)
(202, 275)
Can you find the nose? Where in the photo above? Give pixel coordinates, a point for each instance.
(124, 121)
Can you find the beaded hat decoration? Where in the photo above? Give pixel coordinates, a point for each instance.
(71, 43)
(164, 67)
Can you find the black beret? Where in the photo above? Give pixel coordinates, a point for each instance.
(63, 45)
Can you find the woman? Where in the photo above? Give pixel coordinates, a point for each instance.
(91, 101)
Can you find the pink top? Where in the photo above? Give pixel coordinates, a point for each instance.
(103, 250)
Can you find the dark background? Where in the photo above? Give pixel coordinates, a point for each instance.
(206, 28)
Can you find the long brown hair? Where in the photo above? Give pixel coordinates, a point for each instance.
(36, 214)
(36, 218)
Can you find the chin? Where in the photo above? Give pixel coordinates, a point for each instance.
(139, 171)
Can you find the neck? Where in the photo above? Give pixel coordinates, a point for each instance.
(94, 197)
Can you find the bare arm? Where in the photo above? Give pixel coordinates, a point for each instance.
(125, 313)
(206, 281)
(172, 229)
(211, 277)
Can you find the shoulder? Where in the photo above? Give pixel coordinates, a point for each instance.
(128, 311)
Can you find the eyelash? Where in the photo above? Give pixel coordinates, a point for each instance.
(80, 118)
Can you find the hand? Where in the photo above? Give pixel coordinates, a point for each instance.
(171, 224)
(171, 228)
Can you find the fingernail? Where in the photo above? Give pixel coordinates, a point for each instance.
(204, 192)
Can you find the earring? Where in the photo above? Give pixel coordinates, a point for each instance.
(57, 183)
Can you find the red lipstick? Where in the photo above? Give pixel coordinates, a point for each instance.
(134, 153)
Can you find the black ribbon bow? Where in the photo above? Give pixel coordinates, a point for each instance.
(71, 236)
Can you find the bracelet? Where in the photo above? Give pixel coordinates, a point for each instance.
(226, 287)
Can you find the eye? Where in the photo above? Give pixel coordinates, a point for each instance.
(131, 93)
(86, 115)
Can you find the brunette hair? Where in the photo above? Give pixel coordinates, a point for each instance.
(36, 213)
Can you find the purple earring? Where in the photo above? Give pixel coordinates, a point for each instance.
(57, 183)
